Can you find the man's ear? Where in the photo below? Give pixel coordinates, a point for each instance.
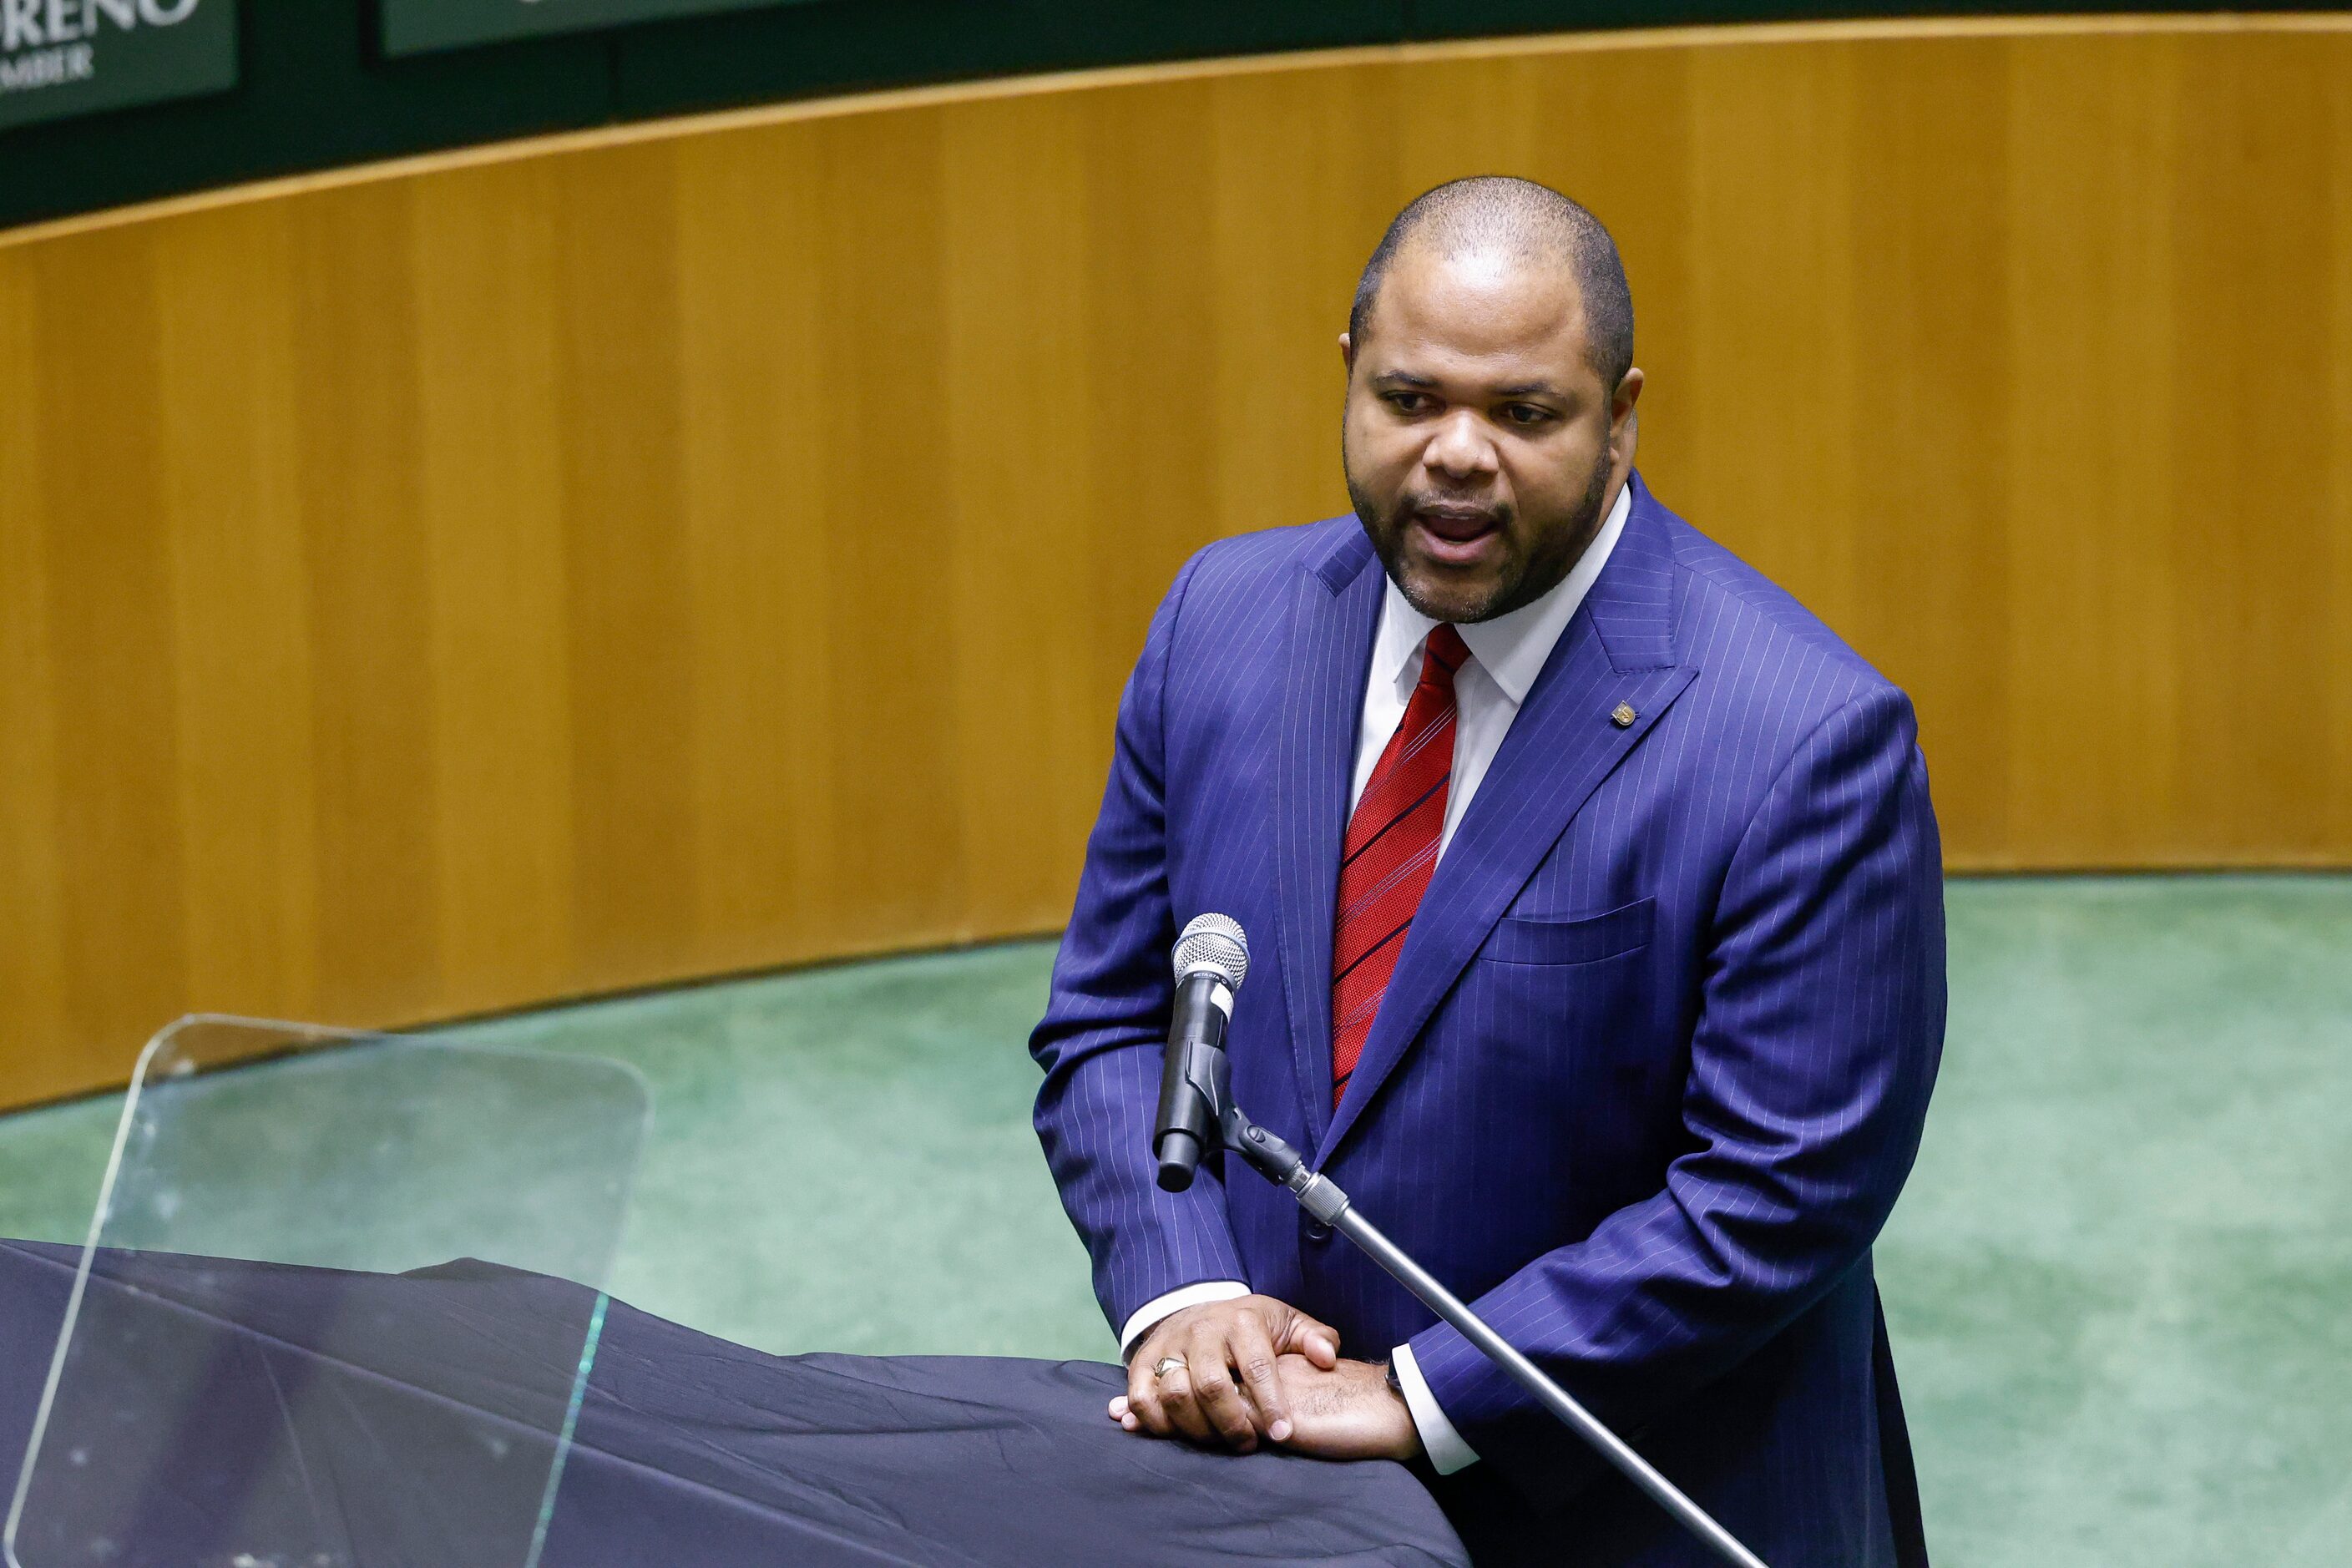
(1348, 352)
(1624, 426)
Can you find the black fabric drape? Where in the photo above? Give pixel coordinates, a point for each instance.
(688, 1451)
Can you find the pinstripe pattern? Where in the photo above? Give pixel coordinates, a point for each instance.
(1650, 1068)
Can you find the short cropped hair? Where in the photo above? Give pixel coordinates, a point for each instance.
(1531, 221)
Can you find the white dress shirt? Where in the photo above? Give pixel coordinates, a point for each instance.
(1506, 654)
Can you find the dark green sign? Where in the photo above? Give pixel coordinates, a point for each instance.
(70, 56)
(412, 26)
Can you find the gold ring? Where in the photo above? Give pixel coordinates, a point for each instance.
(1167, 1364)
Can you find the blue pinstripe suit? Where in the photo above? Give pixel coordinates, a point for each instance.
(1652, 1068)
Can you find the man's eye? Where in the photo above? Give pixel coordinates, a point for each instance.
(1408, 402)
(1525, 413)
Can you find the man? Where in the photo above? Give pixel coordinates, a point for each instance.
(1595, 909)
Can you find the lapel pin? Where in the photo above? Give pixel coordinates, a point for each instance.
(1623, 715)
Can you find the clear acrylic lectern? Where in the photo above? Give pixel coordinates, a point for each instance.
(338, 1305)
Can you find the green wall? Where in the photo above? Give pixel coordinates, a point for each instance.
(411, 26)
(71, 57)
(317, 90)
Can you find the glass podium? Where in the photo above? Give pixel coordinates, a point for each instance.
(337, 1308)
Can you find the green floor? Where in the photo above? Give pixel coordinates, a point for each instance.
(2120, 1283)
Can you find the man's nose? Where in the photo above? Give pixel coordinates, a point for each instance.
(1459, 448)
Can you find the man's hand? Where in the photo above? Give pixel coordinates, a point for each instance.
(1347, 1411)
(1227, 1392)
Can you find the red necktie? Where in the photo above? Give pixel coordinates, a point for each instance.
(1390, 851)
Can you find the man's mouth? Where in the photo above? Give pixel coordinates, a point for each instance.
(1456, 535)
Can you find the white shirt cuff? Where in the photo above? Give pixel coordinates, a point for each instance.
(1447, 1451)
(1176, 1301)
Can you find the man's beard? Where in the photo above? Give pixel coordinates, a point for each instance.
(1386, 532)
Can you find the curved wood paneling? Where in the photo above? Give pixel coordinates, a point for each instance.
(669, 554)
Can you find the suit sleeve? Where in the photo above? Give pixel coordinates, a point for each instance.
(1106, 1024)
(1820, 1026)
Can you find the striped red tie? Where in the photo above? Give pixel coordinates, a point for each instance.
(1390, 851)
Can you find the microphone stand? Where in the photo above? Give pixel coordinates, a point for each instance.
(1278, 1162)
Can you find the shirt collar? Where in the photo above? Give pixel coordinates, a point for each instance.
(1512, 649)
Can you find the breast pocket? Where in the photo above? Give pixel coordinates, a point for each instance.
(1527, 939)
(1557, 1025)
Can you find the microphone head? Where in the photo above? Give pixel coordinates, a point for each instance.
(1214, 944)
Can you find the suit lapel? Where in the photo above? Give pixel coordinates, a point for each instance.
(1335, 610)
(1618, 649)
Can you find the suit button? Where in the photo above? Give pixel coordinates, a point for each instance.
(1316, 1230)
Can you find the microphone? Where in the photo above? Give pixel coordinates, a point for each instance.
(1211, 958)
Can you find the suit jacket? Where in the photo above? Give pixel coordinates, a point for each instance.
(1649, 1075)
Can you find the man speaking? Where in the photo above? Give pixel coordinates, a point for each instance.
(1596, 924)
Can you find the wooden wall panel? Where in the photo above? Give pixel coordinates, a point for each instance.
(1020, 395)
(359, 479)
(34, 1029)
(696, 548)
(1779, 330)
(2336, 497)
(2250, 428)
(1302, 177)
(628, 616)
(1154, 469)
(1931, 366)
(240, 661)
(491, 510)
(755, 544)
(2088, 502)
(880, 437)
(106, 562)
